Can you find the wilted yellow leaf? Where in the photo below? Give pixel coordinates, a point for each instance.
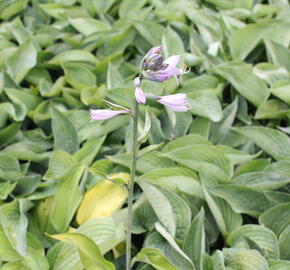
(103, 199)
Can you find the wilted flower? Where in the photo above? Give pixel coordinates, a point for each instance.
(105, 114)
(152, 59)
(176, 102)
(153, 67)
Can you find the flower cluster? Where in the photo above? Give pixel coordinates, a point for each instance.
(153, 68)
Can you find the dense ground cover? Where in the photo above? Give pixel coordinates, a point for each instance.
(213, 187)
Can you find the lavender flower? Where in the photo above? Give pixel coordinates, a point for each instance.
(105, 114)
(176, 102)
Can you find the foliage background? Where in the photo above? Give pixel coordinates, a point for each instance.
(213, 183)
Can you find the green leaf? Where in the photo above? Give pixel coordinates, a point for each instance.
(89, 150)
(58, 11)
(244, 40)
(7, 252)
(89, 252)
(278, 54)
(263, 237)
(244, 199)
(205, 104)
(271, 73)
(170, 248)
(279, 265)
(172, 43)
(65, 202)
(253, 89)
(64, 256)
(276, 218)
(30, 101)
(147, 162)
(284, 240)
(272, 108)
(194, 244)
(144, 217)
(226, 219)
(146, 129)
(272, 141)
(5, 189)
(15, 266)
(21, 61)
(243, 259)
(200, 126)
(220, 129)
(231, 4)
(264, 180)
(217, 260)
(187, 182)
(105, 232)
(88, 26)
(236, 156)
(14, 223)
(161, 206)
(26, 151)
(64, 133)
(74, 55)
(184, 141)
(174, 245)
(151, 31)
(7, 134)
(12, 9)
(91, 95)
(196, 156)
(181, 212)
(114, 78)
(154, 257)
(252, 166)
(281, 90)
(60, 163)
(130, 7)
(79, 75)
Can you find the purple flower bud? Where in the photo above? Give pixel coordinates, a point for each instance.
(105, 114)
(137, 81)
(176, 102)
(140, 96)
(153, 58)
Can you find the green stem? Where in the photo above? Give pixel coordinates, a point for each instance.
(131, 187)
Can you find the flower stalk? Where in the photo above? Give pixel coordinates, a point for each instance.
(152, 68)
(131, 186)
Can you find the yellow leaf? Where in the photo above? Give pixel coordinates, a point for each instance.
(103, 199)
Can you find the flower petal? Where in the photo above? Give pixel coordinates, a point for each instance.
(180, 97)
(105, 114)
(161, 75)
(140, 96)
(172, 60)
(176, 102)
(156, 49)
